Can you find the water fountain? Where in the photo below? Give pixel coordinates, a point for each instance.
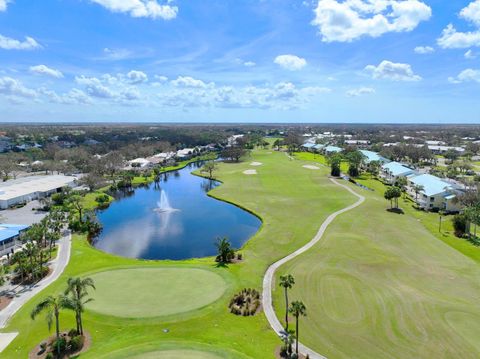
(163, 206)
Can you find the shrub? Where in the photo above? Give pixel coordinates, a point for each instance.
(59, 345)
(239, 256)
(72, 333)
(245, 303)
(76, 343)
(102, 198)
(460, 224)
(49, 356)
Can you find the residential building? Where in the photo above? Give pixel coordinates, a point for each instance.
(9, 236)
(392, 171)
(371, 156)
(436, 193)
(332, 149)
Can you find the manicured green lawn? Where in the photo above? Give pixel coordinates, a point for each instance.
(292, 201)
(154, 292)
(381, 285)
(176, 354)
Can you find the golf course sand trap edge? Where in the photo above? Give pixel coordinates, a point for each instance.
(250, 172)
(155, 292)
(310, 167)
(256, 164)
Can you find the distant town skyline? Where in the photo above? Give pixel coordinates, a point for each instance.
(280, 61)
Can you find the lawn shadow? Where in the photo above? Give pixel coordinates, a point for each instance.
(395, 210)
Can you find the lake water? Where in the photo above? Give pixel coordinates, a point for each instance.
(133, 225)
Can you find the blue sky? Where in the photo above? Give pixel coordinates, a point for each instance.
(240, 61)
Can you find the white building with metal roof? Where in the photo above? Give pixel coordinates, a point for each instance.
(26, 189)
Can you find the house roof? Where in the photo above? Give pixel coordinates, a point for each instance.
(333, 149)
(27, 185)
(431, 185)
(308, 145)
(373, 156)
(397, 169)
(8, 231)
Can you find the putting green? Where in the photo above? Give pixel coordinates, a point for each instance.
(153, 292)
(176, 354)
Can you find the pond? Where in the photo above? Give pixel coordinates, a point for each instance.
(174, 219)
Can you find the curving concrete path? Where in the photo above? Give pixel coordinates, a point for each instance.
(269, 274)
(28, 292)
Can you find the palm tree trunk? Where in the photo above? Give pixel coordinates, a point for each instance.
(286, 310)
(296, 332)
(57, 323)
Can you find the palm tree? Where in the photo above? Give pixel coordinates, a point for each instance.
(297, 309)
(417, 189)
(78, 288)
(52, 305)
(225, 250)
(287, 282)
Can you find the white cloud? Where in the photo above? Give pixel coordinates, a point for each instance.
(13, 87)
(95, 87)
(7, 43)
(45, 70)
(190, 82)
(141, 8)
(3, 5)
(453, 39)
(360, 92)
(290, 62)
(249, 64)
(470, 55)
(351, 19)
(422, 50)
(137, 77)
(468, 75)
(472, 12)
(392, 71)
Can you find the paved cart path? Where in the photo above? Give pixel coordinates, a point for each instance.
(270, 273)
(28, 292)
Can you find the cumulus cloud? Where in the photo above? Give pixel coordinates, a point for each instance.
(190, 82)
(249, 64)
(283, 95)
(360, 92)
(3, 5)
(422, 50)
(392, 71)
(290, 62)
(141, 8)
(45, 70)
(29, 43)
(94, 87)
(137, 77)
(468, 75)
(348, 20)
(453, 39)
(13, 87)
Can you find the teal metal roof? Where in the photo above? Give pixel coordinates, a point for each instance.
(333, 149)
(397, 169)
(8, 231)
(373, 156)
(308, 145)
(431, 185)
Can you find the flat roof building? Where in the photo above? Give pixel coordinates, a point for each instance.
(9, 234)
(26, 189)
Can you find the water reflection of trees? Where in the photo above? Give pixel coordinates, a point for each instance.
(207, 185)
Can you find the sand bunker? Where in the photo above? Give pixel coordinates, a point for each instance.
(250, 172)
(311, 167)
(256, 164)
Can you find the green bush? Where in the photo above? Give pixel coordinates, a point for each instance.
(76, 343)
(49, 356)
(59, 345)
(102, 198)
(460, 224)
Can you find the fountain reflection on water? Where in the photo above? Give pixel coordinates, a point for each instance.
(172, 219)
